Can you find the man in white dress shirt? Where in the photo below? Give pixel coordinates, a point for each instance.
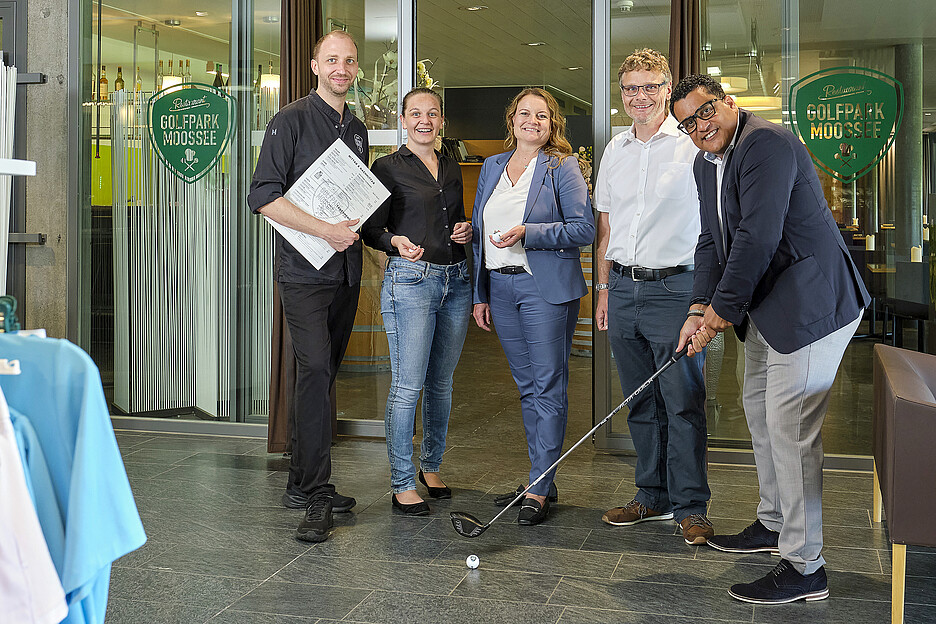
(648, 209)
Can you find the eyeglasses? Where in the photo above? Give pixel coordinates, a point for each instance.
(649, 89)
(706, 111)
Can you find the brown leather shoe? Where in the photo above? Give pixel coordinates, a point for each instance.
(633, 513)
(696, 529)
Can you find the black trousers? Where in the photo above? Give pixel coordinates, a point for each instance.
(320, 319)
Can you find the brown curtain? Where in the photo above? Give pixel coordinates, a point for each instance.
(300, 27)
(685, 41)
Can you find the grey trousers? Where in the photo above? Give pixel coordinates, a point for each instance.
(785, 400)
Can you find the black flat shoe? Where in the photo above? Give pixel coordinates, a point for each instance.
(436, 492)
(531, 512)
(415, 509)
(502, 500)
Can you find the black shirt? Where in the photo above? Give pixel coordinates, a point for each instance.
(297, 135)
(423, 209)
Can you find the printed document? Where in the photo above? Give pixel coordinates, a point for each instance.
(336, 187)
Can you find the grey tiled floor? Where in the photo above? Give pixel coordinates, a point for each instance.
(221, 548)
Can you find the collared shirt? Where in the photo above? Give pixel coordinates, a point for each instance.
(504, 209)
(422, 208)
(649, 192)
(719, 162)
(296, 136)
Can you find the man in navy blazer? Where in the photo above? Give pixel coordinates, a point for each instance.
(771, 263)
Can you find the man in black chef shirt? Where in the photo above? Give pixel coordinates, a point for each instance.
(319, 304)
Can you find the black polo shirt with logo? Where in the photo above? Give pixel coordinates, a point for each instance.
(296, 136)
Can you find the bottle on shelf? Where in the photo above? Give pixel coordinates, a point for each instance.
(218, 80)
(102, 84)
(94, 85)
(138, 81)
(171, 71)
(159, 77)
(119, 81)
(187, 76)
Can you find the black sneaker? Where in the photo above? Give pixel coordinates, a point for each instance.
(755, 538)
(783, 584)
(340, 504)
(532, 512)
(317, 520)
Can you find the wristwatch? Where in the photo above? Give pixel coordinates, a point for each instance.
(604, 286)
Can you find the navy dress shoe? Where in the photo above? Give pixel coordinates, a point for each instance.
(783, 584)
(755, 538)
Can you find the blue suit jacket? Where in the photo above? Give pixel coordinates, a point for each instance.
(554, 231)
(787, 264)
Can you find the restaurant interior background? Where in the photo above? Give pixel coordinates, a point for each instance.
(176, 279)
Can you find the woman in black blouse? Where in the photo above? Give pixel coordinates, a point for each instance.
(426, 294)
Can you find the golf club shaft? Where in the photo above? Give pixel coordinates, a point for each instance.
(617, 409)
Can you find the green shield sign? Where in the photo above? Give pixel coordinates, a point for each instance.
(848, 118)
(190, 125)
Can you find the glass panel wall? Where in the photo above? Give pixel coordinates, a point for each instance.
(364, 378)
(478, 57)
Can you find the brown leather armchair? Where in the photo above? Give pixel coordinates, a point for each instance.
(904, 447)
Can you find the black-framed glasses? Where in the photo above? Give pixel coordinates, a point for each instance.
(706, 111)
(649, 89)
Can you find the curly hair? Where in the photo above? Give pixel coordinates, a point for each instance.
(557, 144)
(647, 60)
(695, 81)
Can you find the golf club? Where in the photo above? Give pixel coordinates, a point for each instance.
(467, 525)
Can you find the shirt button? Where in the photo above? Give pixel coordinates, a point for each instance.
(443, 209)
(562, 251)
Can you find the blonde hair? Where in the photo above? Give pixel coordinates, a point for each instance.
(556, 145)
(647, 60)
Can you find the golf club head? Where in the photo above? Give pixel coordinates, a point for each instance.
(466, 525)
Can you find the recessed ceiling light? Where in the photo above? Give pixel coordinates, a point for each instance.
(574, 68)
(474, 7)
(271, 19)
(201, 13)
(535, 43)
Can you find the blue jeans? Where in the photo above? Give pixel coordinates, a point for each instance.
(425, 310)
(537, 339)
(667, 425)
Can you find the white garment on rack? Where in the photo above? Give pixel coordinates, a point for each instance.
(30, 590)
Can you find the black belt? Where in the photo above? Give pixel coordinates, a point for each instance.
(510, 270)
(641, 274)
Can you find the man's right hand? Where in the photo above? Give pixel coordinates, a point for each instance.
(601, 310)
(482, 315)
(340, 235)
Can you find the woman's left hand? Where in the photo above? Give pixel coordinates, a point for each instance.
(462, 233)
(511, 237)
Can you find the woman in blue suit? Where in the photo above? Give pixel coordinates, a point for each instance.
(532, 212)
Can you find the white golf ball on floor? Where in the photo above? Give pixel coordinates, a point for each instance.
(472, 561)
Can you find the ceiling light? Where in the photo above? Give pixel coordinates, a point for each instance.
(271, 19)
(614, 111)
(714, 71)
(201, 13)
(172, 22)
(535, 43)
(574, 68)
(474, 7)
(733, 84)
(758, 102)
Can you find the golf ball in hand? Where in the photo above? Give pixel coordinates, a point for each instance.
(472, 561)
(496, 236)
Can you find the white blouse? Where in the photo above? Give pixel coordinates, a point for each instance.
(504, 209)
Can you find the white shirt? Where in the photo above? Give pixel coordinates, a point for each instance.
(719, 162)
(504, 209)
(649, 193)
